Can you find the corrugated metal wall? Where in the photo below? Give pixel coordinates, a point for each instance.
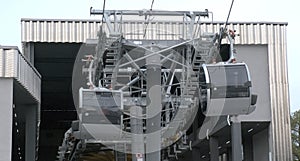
(272, 34)
(14, 65)
(58, 31)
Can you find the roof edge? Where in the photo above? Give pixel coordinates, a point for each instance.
(96, 20)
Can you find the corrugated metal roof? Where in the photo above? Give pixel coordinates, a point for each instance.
(58, 31)
(54, 30)
(271, 33)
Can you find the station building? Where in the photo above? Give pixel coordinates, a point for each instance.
(37, 106)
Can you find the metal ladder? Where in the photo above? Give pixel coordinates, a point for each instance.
(113, 53)
(203, 53)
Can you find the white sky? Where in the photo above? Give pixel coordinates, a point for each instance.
(252, 10)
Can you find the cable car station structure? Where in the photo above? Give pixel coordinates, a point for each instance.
(158, 85)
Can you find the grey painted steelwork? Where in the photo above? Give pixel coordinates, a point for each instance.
(154, 105)
(152, 84)
(14, 65)
(236, 139)
(145, 12)
(136, 124)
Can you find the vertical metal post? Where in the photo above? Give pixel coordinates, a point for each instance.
(137, 139)
(213, 148)
(236, 139)
(153, 111)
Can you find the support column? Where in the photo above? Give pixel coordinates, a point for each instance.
(6, 115)
(236, 139)
(213, 148)
(154, 106)
(136, 125)
(30, 132)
